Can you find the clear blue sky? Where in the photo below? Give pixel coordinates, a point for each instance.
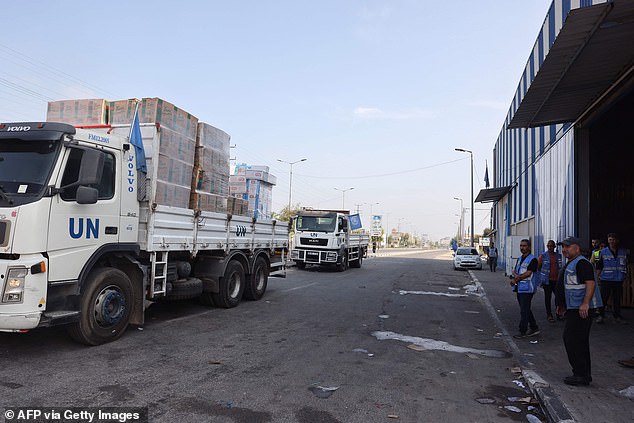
(376, 94)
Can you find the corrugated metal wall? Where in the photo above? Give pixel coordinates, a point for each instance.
(517, 151)
(555, 193)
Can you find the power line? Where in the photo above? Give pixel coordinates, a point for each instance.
(385, 174)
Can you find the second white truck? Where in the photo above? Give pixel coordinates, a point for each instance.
(323, 237)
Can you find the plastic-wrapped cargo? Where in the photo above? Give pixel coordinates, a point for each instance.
(155, 110)
(84, 112)
(211, 169)
(175, 143)
(254, 184)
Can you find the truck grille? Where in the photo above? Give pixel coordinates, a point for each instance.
(313, 241)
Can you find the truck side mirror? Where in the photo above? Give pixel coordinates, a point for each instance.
(343, 226)
(91, 167)
(87, 195)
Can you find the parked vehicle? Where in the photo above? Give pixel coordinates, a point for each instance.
(467, 258)
(323, 237)
(84, 243)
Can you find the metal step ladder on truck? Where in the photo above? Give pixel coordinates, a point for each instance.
(83, 243)
(323, 237)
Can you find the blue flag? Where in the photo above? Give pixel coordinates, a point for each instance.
(136, 139)
(355, 221)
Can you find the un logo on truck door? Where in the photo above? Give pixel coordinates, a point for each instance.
(241, 230)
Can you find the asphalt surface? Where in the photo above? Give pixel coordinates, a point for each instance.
(404, 338)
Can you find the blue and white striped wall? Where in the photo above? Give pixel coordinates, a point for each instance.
(536, 161)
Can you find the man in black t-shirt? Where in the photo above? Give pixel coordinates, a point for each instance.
(575, 293)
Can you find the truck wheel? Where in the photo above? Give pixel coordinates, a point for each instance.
(255, 288)
(357, 263)
(231, 286)
(343, 266)
(300, 265)
(105, 307)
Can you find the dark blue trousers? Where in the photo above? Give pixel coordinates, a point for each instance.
(526, 314)
(577, 342)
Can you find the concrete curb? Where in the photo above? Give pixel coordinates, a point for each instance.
(554, 409)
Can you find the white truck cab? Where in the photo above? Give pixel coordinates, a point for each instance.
(323, 237)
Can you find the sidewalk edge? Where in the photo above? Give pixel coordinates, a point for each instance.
(554, 408)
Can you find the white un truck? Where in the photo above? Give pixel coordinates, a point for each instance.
(83, 243)
(323, 237)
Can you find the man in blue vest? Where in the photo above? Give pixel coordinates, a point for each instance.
(523, 282)
(577, 289)
(611, 271)
(549, 264)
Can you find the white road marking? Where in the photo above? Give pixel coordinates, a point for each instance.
(433, 344)
(444, 294)
(300, 287)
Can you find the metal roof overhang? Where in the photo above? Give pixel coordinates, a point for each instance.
(492, 194)
(591, 53)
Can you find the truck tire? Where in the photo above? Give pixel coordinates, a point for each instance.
(185, 289)
(357, 263)
(255, 288)
(300, 265)
(343, 266)
(105, 307)
(231, 286)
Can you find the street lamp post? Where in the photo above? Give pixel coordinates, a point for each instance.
(462, 150)
(461, 227)
(290, 181)
(371, 204)
(343, 196)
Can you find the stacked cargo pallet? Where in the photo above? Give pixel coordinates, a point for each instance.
(210, 185)
(255, 185)
(176, 150)
(193, 157)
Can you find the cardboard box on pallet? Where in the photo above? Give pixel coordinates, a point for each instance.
(155, 110)
(84, 112)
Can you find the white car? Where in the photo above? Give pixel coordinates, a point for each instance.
(467, 258)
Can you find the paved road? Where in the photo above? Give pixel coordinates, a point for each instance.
(398, 337)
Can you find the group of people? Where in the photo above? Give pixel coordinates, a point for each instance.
(578, 298)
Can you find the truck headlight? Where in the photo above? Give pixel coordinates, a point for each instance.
(14, 286)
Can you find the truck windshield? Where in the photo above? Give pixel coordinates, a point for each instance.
(316, 223)
(25, 168)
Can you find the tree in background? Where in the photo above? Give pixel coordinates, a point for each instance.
(285, 214)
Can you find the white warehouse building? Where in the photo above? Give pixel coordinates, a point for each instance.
(563, 162)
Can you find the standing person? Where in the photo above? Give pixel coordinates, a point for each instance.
(596, 251)
(577, 287)
(611, 271)
(549, 264)
(493, 257)
(523, 282)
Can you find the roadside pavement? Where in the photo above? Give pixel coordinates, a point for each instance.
(544, 363)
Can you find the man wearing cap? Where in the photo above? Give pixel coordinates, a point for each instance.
(523, 282)
(577, 290)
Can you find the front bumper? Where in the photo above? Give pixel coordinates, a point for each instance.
(468, 265)
(315, 256)
(27, 313)
(19, 322)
